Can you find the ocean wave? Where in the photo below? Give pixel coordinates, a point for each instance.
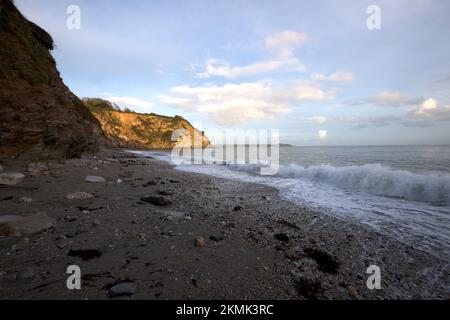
(373, 179)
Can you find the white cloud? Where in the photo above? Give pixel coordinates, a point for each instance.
(281, 44)
(221, 68)
(389, 99)
(426, 108)
(240, 103)
(338, 76)
(131, 103)
(323, 134)
(284, 43)
(431, 109)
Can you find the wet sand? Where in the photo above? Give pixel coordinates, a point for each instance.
(208, 238)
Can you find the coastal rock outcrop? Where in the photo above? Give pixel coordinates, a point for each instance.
(128, 129)
(40, 117)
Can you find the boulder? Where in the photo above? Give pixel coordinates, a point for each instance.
(17, 226)
(11, 178)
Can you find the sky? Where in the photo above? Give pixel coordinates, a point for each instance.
(314, 70)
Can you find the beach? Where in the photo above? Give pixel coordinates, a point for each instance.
(163, 233)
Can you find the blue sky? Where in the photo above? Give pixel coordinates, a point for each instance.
(311, 69)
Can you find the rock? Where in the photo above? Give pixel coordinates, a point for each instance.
(123, 289)
(157, 200)
(17, 226)
(173, 215)
(119, 181)
(96, 222)
(95, 179)
(352, 291)
(237, 208)
(25, 200)
(282, 237)
(38, 168)
(200, 242)
(11, 178)
(217, 238)
(79, 196)
(85, 255)
(70, 219)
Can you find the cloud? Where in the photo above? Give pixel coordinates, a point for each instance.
(424, 114)
(389, 99)
(431, 109)
(284, 43)
(131, 103)
(239, 103)
(323, 134)
(221, 68)
(338, 76)
(281, 44)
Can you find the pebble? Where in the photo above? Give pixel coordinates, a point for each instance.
(282, 237)
(95, 179)
(157, 200)
(79, 196)
(11, 178)
(38, 168)
(17, 226)
(25, 200)
(200, 242)
(122, 289)
(217, 238)
(96, 222)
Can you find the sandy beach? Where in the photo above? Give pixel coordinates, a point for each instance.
(166, 234)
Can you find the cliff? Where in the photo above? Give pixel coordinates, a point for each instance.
(40, 117)
(127, 129)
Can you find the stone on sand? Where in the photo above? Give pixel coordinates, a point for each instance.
(122, 289)
(17, 226)
(200, 242)
(157, 200)
(11, 178)
(172, 215)
(79, 196)
(95, 179)
(37, 168)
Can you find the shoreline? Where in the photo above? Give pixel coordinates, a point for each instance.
(255, 244)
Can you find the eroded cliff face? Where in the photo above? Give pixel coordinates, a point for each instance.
(127, 129)
(39, 117)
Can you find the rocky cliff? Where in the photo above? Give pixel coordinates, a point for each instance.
(39, 117)
(128, 129)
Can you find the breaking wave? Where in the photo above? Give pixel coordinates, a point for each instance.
(373, 179)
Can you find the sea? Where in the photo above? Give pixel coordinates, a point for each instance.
(402, 192)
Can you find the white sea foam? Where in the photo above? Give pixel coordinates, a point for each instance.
(373, 179)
